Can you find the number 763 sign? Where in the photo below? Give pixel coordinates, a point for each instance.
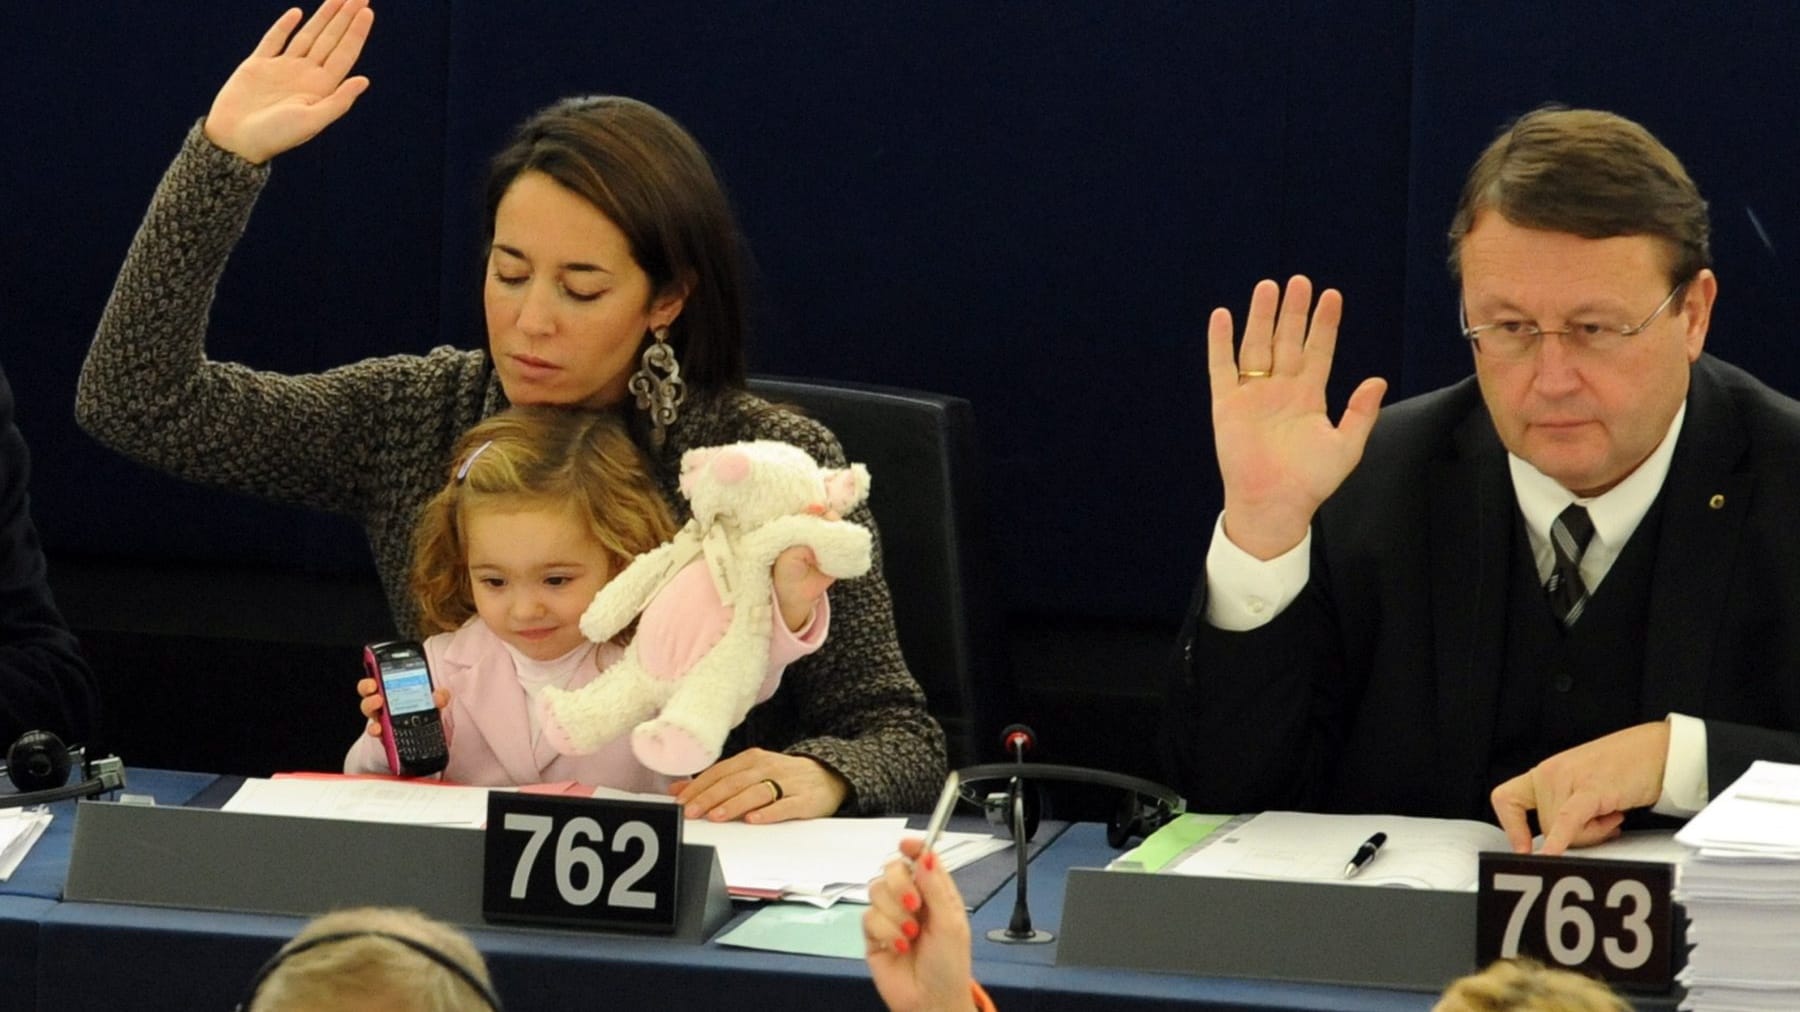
(1610, 919)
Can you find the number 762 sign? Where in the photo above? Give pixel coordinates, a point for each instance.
(581, 862)
(1609, 919)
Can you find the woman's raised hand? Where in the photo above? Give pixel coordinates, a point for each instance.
(294, 84)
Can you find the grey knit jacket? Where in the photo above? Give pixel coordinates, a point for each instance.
(373, 440)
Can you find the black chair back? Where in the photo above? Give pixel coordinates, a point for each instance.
(925, 494)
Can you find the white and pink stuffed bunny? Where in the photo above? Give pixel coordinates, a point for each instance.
(751, 502)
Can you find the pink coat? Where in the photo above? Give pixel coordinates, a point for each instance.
(490, 729)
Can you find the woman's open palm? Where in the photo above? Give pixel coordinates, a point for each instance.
(294, 84)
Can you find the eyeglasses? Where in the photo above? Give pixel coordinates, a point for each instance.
(1517, 338)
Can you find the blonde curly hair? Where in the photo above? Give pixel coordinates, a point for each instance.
(1525, 985)
(530, 457)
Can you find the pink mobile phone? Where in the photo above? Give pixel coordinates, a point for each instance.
(411, 727)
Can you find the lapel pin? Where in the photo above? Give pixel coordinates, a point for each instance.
(1717, 501)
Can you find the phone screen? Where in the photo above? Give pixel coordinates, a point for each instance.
(407, 684)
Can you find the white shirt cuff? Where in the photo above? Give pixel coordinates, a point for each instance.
(1244, 592)
(1684, 772)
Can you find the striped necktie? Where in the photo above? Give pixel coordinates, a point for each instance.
(1569, 537)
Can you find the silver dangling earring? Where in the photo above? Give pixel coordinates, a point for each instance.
(658, 385)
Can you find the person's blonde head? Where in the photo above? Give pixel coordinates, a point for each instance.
(375, 958)
(1525, 985)
(535, 458)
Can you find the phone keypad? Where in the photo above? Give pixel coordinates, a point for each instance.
(418, 737)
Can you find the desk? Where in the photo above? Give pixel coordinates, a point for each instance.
(20, 920)
(68, 955)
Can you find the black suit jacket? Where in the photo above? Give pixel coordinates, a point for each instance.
(44, 682)
(1375, 691)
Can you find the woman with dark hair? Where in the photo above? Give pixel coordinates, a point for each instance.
(613, 283)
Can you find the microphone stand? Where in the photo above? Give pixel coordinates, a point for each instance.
(1136, 815)
(1019, 931)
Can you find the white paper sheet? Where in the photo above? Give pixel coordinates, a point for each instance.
(1308, 847)
(358, 800)
(818, 861)
(19, 830)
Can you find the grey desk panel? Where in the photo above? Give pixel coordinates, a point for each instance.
(212, 860)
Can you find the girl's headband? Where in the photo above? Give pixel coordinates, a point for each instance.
(462, 472)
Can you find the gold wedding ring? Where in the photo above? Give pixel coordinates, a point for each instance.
(775, 791)
(1255, 373)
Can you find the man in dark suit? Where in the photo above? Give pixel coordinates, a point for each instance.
(44, 682)
(1568, 585)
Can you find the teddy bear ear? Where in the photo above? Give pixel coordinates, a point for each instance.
(846, 487)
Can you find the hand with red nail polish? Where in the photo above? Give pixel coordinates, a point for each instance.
(918, 936)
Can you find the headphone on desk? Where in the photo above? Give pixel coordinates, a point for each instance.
(431, 952)
(1144, 806)
(38, 764)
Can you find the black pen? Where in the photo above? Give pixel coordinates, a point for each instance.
(1364, 854)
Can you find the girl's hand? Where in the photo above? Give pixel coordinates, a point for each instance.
(289, 89)
(799, 584)
(373, 702)
(918, 935)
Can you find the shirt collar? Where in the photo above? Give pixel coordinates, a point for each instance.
(1616, 512)
(534, 674)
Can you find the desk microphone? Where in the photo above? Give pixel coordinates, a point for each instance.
(1143, 808)
(1016, 740)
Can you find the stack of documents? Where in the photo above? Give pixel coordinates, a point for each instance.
(19, 829)
(1741, 887)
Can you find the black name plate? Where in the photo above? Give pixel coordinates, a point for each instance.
(582, 862)
(1609, 919)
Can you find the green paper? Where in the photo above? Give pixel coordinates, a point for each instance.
(1167, 843)
(804, 929)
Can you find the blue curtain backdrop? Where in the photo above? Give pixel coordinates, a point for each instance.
(1034, 206)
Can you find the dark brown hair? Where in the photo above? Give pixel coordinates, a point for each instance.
(1588, 173)
(651, 179)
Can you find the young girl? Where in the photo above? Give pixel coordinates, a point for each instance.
(543, 506)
